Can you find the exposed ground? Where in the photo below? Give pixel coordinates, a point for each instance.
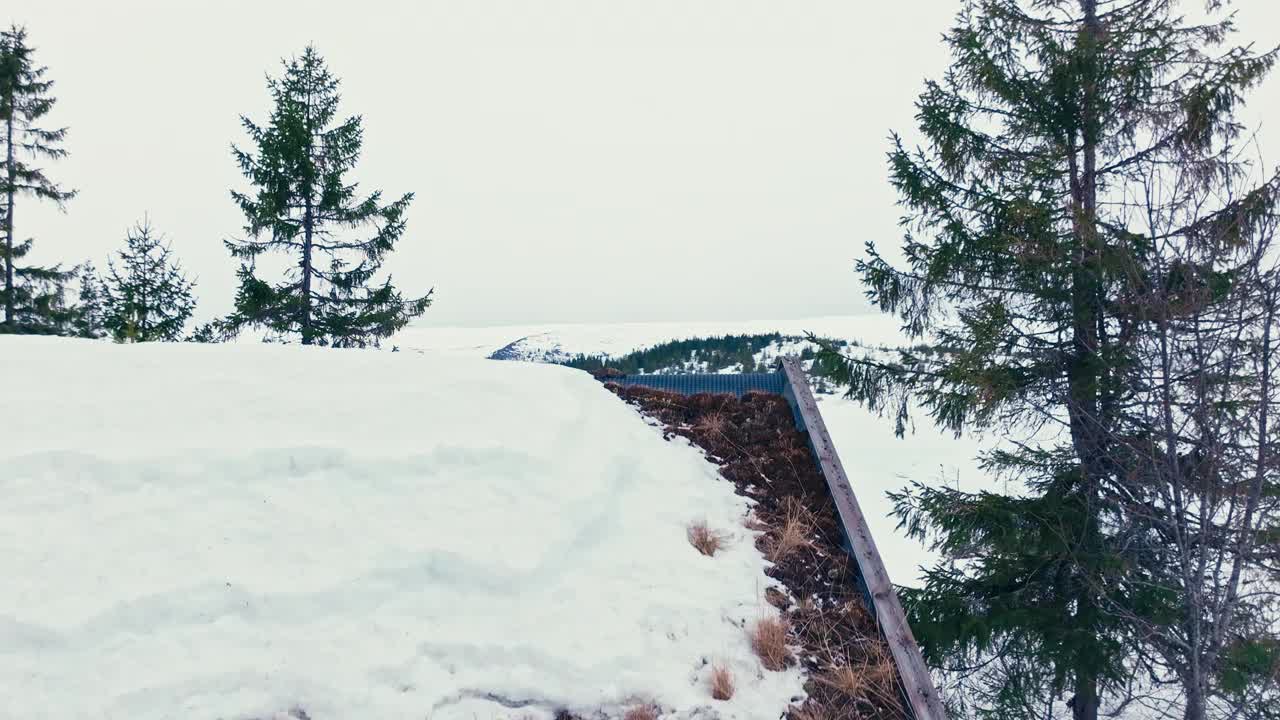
(827, 625)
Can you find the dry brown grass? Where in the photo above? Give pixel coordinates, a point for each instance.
(872, 677)
(721, 682)
(794, 534)
(713, 422)
(641, 712)
(707, 541)
(769, 641)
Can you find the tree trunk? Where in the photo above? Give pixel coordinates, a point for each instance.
(1195, 701)
(308, 223)
(1084, 706)
(1084, 373)
(143, 306)
(8, 221)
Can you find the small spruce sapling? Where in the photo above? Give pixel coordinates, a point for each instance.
(148, 297)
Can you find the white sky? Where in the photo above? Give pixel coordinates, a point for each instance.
(574, 160)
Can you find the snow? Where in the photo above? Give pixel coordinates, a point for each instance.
(878, 463)
(234, 531)
(875, 460)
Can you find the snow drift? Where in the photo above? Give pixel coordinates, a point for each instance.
(236, 531)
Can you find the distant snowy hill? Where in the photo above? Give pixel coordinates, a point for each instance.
(544, 347)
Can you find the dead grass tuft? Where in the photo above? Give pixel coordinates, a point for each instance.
(769, 641)
(794, 534)
(872, 677)
(713, 423)
(707, 541)
(721, 682)
(641, 712)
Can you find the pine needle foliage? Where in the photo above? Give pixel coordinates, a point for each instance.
(89, 320)
(1022, 280)
(302, 205)
(148, 298)
(33, 296)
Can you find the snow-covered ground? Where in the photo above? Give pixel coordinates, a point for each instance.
(875, 460)
(877, 463)
(193, 531)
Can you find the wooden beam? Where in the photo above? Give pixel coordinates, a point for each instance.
(917, 683)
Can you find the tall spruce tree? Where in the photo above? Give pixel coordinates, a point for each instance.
(32, 295)
(148, 297)
(1025, 255)
(303, 206)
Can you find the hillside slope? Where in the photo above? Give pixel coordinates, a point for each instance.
(237, 531)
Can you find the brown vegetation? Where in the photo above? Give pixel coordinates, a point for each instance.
(641, 712)
(794, 532)
(830, 631)
(707, 541)
(769, 641)
(721, 682)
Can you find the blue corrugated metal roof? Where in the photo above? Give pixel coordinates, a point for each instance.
(737, 383)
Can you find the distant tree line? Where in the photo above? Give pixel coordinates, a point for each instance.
(739, 353)
(298, 205)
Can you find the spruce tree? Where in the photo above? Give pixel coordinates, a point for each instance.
(303, 206)
(32, 295)
(1026, 260)
(148, 297)
(89, 312)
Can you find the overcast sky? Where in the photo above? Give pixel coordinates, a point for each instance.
(573, 160)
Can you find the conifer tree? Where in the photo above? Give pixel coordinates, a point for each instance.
(32, 295)
(89, 312)
(1027, 266)
(302, 205)
(213, 331)
(148, 297)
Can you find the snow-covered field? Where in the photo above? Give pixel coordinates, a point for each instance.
(234, 531)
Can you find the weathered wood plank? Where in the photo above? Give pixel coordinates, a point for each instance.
(917, 683)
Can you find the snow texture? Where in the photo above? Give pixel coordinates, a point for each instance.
(194, 532)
